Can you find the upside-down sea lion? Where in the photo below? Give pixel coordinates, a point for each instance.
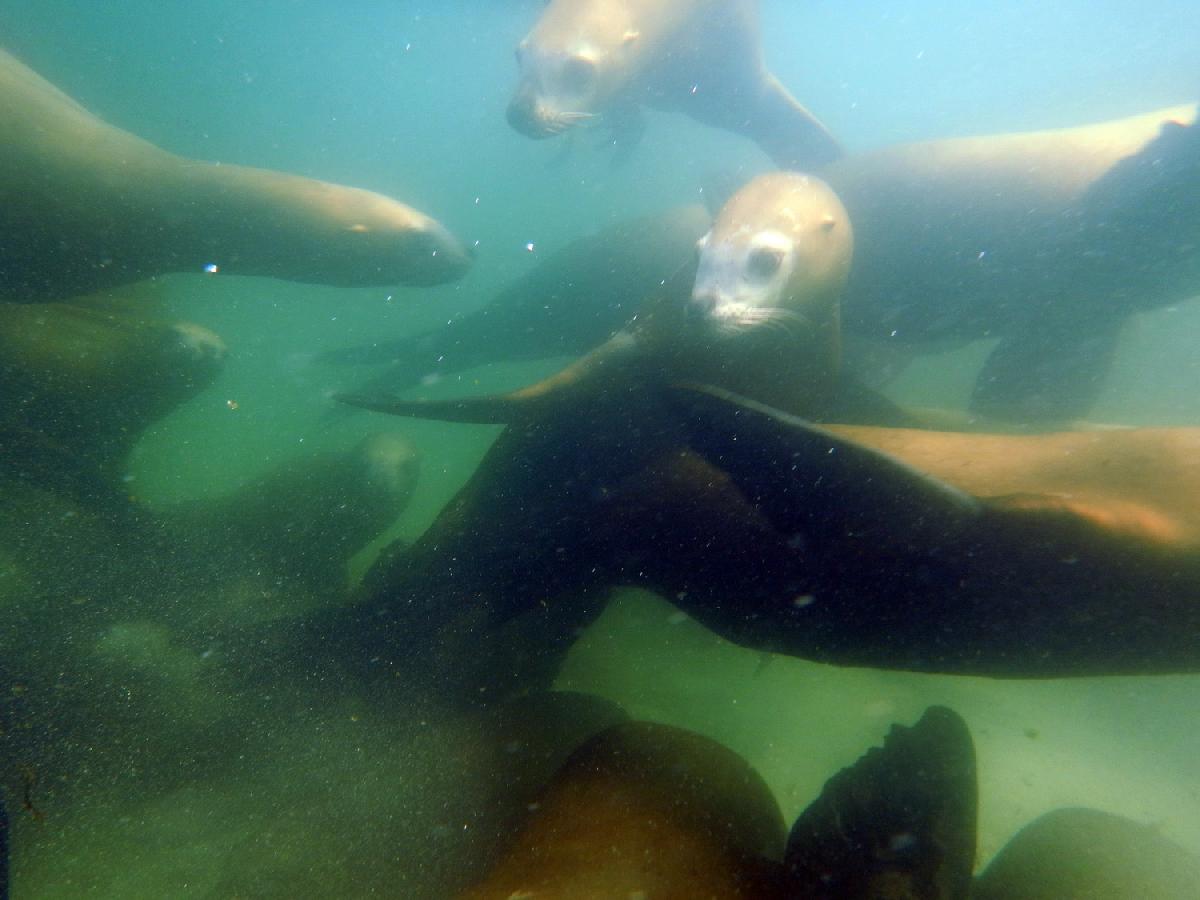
(86, 206)
(588, 58)
(1046, 240)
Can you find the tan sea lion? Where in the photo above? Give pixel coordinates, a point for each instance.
(589, 58)
(1046, 240)
(85, 206)
(780, 345)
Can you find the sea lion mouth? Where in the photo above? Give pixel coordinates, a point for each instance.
(534, 120)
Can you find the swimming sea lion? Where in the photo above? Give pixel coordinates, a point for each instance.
(567, 304)
(589, 58)
(85, 206)
(1074, 553)
(1047, 240)
(781, 345)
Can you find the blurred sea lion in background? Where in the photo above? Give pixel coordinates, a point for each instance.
(566, 305)
(82, 380)
(301, 520)
(85, 206)
(586, 59)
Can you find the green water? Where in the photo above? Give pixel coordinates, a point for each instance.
(154, 779)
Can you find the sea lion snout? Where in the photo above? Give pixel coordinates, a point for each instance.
(528, 116)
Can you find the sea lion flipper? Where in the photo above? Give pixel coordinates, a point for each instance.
(793, 470)
(902, 816)
(788, 133)
(1048, 371)
(540, 399)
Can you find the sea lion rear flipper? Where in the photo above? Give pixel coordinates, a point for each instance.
(1087, 853)
(795, 471)
(1049, 371)
(899, 822)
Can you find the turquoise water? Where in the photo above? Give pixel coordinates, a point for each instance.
(155, 781)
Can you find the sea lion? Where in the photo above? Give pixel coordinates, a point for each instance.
(302, 520)
(82, 380)
(1080, 852)
(651, 810)
(1074, 553)
(85, 206)
(1046, 240)
(782, 348)
(589, 58)
(567, 304)
(1027, 556)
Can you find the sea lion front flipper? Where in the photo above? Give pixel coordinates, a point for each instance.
(1078, 852)
(1049, 371)
(616, 358)
(900, 822)
(793, 470)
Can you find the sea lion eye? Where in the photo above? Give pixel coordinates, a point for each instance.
(762, 263)
(577, 74)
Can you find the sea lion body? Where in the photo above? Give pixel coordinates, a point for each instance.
(972, 237)
(1046, 240)
(703, 58)
(85, 206)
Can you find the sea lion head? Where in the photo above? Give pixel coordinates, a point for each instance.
(778, 254)
(578, 56)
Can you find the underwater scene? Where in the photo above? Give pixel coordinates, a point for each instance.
(623, 449)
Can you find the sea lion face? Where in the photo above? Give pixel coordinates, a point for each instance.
(778, 254)
(572, 64)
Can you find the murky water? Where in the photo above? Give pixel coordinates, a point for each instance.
(134, 768)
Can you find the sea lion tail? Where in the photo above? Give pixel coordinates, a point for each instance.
(902, 817)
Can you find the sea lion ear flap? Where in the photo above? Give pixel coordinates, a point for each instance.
(899, 822)
(542, 398)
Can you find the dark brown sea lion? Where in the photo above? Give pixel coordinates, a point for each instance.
(589, 58)
(648, 810)
(85, 206)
